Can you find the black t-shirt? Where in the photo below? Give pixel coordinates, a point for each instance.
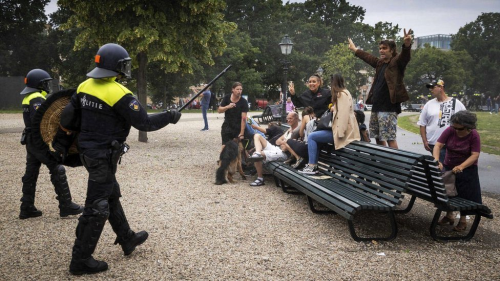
(273, 134)
(232, 116)
(381, 97)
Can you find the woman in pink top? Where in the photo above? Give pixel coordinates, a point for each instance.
(462, 152)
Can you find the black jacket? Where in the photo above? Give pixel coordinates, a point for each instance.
(319, 101)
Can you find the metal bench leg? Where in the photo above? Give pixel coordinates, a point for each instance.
(470, 234)
(392, 236)
(288, 189)
(277, 181)
(316, 211)
(408, 208)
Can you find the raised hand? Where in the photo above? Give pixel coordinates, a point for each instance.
(407, 37)
(352, 47)
(291, 88)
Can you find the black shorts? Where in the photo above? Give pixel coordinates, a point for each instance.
(298, 147)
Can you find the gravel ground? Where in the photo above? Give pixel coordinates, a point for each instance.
(202, 231)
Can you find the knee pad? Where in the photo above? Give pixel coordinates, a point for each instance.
(100, 209)
(58, 174)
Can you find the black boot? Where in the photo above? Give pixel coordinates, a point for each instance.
(124, 235)
(28, 210)
(131, 241)
(88, 231)
(87, 266)
(66, 206)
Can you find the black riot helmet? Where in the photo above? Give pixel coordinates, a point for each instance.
(36, 80)
(111, 60)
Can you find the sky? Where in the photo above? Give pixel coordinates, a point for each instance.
(424, 17)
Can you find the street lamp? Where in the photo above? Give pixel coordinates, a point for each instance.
(286, 48)
(320, 71)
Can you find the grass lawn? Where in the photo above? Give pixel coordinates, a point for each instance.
(488, 127)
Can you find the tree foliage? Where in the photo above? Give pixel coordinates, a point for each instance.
(482, 41)
(24, 44)
(430, 63)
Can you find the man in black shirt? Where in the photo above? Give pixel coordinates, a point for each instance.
(388, 90)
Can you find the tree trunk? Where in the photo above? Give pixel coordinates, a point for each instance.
(142, 88)
(164, 99)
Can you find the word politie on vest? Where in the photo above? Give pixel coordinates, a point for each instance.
(88, 103)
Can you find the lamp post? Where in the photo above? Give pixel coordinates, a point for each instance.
(286, 48)
(320, 71)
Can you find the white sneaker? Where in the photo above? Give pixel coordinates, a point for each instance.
(310, 169)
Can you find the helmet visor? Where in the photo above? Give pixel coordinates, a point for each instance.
(125, 67)
(45, 85)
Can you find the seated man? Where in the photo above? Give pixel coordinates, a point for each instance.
(266, 151)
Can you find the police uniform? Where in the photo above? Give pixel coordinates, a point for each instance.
(106, 110)
(34, 97)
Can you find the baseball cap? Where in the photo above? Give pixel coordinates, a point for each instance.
(435, 83)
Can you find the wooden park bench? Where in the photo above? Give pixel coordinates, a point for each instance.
(365, 177)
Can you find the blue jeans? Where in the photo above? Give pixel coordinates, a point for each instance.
(204, 109)
(496, 108)
(313, 139)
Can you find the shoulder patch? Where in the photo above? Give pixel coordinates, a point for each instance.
(134, 105)
(36, 106)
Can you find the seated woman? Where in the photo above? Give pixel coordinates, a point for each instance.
(298, 147)
(463, 146)
(316, 97)
(344, 125)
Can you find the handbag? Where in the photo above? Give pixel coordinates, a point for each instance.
(325, 122)
(449, 183)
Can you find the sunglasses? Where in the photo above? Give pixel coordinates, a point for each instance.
(458, 129)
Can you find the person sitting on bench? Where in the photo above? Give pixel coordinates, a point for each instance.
(344, 125)
(266, 151)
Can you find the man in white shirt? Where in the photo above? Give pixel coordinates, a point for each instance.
(436, 114)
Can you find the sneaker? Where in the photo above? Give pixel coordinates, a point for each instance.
(203, 130)
(257, 182)
(256, 156)
(309, 169)
(298, 163)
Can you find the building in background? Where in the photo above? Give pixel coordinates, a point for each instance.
(440, 41)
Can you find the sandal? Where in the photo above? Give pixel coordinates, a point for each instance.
(446, 220)
(289, 160)
(257, 182)
(461, 226)
(298, 163)
(255, 157)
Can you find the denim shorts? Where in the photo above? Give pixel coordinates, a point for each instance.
(383, 125)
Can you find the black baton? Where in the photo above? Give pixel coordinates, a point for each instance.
(206, 87)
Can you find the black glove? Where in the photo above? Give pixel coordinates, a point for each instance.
(61, 144)
(174, 116)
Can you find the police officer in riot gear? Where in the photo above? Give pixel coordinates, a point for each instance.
(36, 89)
(106, 111)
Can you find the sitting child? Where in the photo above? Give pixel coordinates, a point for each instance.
(360, 118)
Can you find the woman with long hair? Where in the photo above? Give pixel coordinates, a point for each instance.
(316, 96)
(344, 125)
